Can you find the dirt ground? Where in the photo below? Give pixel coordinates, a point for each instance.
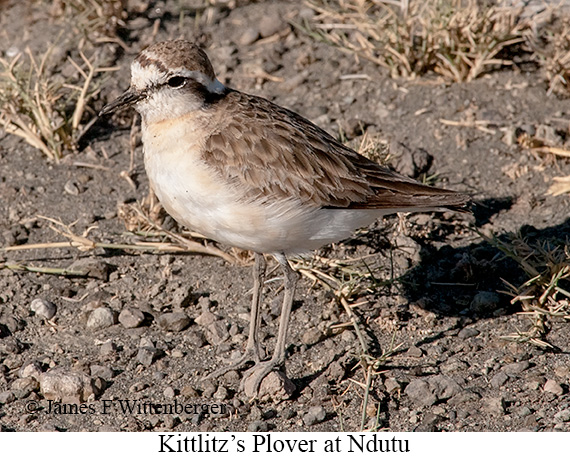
(146, 327)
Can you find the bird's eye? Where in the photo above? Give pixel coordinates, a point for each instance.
(176, 81)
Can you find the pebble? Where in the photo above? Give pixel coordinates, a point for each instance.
(315, 415)
(174, 322)
(467, 332)
(101, 371)
(131, 317)
(72, 188)
(258, 426)
(31, 370)
(146, 355)
(221, 394)
(108, 348)
(94, 268)
(560, 416)
(100, 318)
(464, 397)
(312, 336)
(7, 397)
(524, 411)
(493, 405)
(249, 36)
(217, 332)
(206, 318)
(24, 386)
(43, 308)
(392, 385)
(67, 386)
(428, 392)
(270, 24)
(169, 393)
(553, 387)
(498, 380)
(420, 392)
(515, 368)
(485, 302)
(414, 351)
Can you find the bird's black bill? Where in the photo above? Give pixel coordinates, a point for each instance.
(124, 101)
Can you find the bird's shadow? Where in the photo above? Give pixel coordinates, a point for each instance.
(470, 282)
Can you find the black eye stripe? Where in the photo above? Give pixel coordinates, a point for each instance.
(176, 81)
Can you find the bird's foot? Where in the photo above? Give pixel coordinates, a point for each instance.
(251, 354)
(253, 377)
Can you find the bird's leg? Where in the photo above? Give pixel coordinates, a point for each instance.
(253, 377)
(252, 349)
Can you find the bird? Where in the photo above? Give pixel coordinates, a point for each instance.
(251, 174)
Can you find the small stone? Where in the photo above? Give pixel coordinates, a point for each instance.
(206, 318)
(553, 387)
(108, 348)
(221, 394)
(146, 355)
(24, 386)
(485, 302)
(101, 371)
(138, 386)
(208, 389)
(315, 415)
(560, 416)
(194, 338)
(248, 36)
(189, 392)
(258, 426)
(516, 368)
(131, 317)
(93, 268)
(31, 370)
(312, 336)
(493, 405)
(43, 308)
(276, 385)
(420, 392)
(217, 332)
(444, 387)
(392, 385)
(174, 322)
(67, 386)
(548, 135)
(468, 332)
(270, 25)
(414, 351)
(7, 397)
(100, 318)
(465, 396)
(498, 380)
(169, 392)
(72, 188)
(525, 411)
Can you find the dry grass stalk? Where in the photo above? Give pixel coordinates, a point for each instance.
(544, 295)
(35, 106)
(457, 39)
(83, 243)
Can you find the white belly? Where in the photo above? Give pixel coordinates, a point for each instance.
(196, 197)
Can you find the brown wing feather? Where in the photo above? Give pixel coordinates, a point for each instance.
(277, 153)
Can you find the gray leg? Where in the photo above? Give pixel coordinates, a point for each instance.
(253, 377)
(252, 349)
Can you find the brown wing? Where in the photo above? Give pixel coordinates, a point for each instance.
(275, 152)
